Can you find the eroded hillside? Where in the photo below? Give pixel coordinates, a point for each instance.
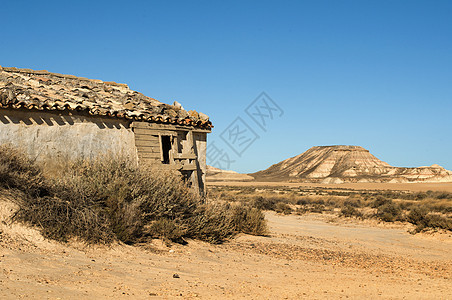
(337, 164)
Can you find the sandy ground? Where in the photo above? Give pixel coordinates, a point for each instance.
(415, 187)
(310, 256)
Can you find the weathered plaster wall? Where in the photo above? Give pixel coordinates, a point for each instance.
(201, 147)
(48, 136)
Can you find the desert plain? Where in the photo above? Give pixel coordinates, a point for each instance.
(307, 256)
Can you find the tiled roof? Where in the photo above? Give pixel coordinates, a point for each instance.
(42, 90)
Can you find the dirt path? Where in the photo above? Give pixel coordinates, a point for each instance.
(305, 257)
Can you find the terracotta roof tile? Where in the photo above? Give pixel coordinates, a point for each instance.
(42, 90)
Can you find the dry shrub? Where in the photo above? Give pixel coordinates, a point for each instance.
(350, 211)
(107, 199)
(264, 203)
(19, 172)
(249, 220)
(60, 219)
(388, 206)
(111, 198)
(211, 223)
(166, 229)
(283, 208)
(380, 201)
(420, 217)
(216, 222)
(389, 212)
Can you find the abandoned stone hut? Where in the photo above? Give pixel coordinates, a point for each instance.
(63, 117)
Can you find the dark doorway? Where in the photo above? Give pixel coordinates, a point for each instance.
(166, 148)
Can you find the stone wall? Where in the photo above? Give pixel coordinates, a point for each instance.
(50, 137)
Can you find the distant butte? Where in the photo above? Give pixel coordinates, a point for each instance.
(338, 164)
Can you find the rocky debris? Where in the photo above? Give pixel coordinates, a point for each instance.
(216, 174)
(339, 164)
(350, 259)
(42, 90)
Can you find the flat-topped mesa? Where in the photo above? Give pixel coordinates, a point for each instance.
(340, 148)
(342, 163)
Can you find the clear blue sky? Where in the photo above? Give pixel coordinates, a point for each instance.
(372, 73)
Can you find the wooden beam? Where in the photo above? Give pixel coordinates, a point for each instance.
(149, 156)
(149, 150)
(185, 156)
(149, 143)
(189, 167)
(146, 137)
(150, 131)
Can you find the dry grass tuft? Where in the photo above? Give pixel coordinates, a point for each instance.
(18, 172)
(112, 199)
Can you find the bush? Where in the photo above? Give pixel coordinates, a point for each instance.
(19, 172)
(437, 221)
(303, 201)
(283, 208)
(211, 223)
(389, 212)
(166, 229)
(350, 211)
(420, 217)
(59, 219)
(417, 215)
(112, 199)
(380, 201)
(217, 222)
(352, 203)
(264, 203)
(249, 220)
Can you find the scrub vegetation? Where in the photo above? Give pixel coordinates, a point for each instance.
(111, 199)
(425, 210)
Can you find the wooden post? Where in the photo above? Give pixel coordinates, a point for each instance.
(192, 143)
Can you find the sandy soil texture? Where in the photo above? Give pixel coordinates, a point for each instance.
(310, 256)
